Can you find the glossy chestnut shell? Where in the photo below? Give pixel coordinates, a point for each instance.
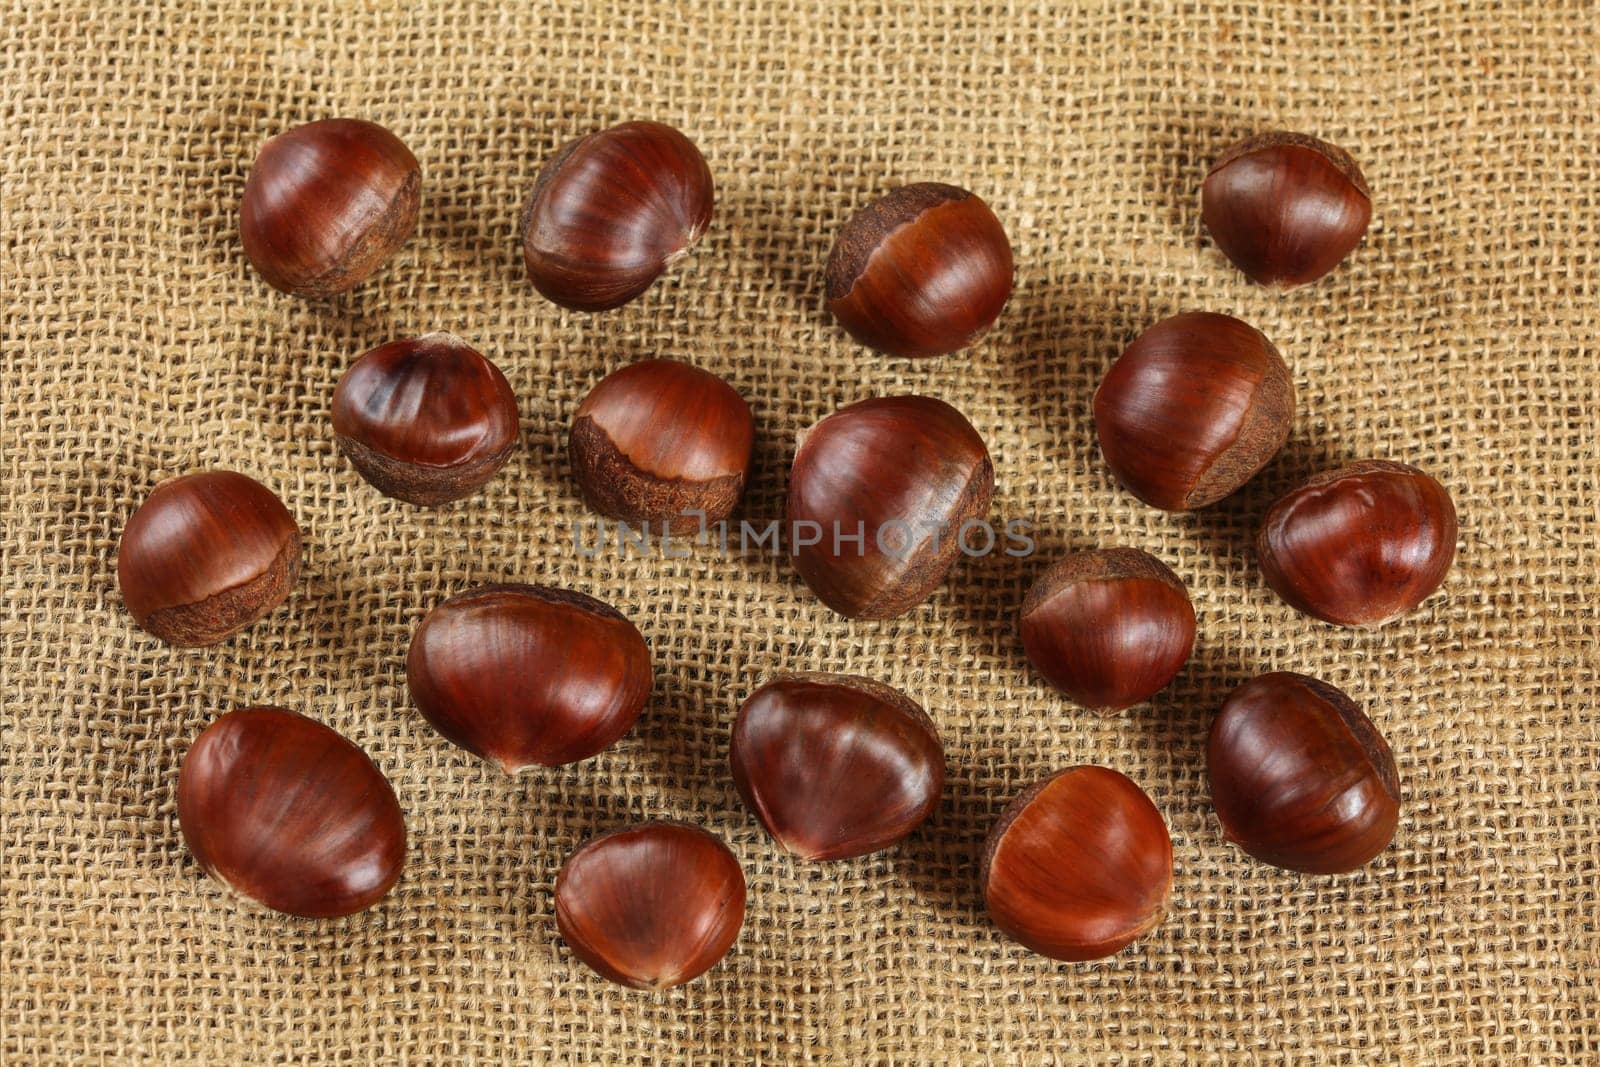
(1300, 777)
(1079, 866)
(326, 203)
(905, 472)
(283, 810)
(651, 906)
(426, 420)
(1192, 409)
(834, 765)
(1360, 545)
(206, 555)
(611, 211)
(920, 272)
(526, 675)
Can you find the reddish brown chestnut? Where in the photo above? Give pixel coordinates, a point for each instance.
(426, 420)
(283, 810)
(1079, 866)
(1285, 207)
(1108, 628)
(326, 203)
(920, 272)
(1300, 777)
(881, 490)
(657, 440)
(1193, 408)
(526, 675)
(836, 766)
(611, 211)
(207, 555)
(651, 906)
(1360, 545)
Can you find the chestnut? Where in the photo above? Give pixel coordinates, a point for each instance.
(920, 272)
(326, 203)
(426, 420)
(1108, 628)
(206, 555)
(1360, 545)
(1192, 409)
(284, 811)
(1301, 778)
(657, 440)
(834, 765)
(1079, 866)
(526, 675)
(611, 211)
(651, 906)
(1285, 207)
(879, 494)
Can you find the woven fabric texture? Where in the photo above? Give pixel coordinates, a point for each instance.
(1461, 336)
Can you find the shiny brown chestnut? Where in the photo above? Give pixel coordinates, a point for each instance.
(611, 211)
(834, 765)
(1109, 628)
(903, 474)
(206, 555)
(662, 442)
(527, 675)
(921, 272)
(1285, 207)
(1192, 409)
(326, 203)
(1300, 777)
(426, 420)
(286, 812)
(1079, 866)
(1360, 545)
(651, 906)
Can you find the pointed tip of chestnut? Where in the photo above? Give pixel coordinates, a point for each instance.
(1286, 208)
(611, 211)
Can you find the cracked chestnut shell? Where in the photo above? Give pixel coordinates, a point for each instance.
(659, 439)
(1079, 866)
(206, 555)
(611, 211)
(651, 906)
(326, 203)
(922, 271)
(1192, 409)
(426, 420)
(834, 765)
(527, 675)
(1300, 777)
(903, 471)
(283, 810)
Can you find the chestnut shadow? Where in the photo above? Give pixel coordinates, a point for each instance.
(1180, 141)
(942, 859)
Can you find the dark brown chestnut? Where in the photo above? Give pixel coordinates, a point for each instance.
(286, 812)
(426, 420)
(1079, 866)
(526, 675)
(651, 906)
(1285, 207)
(920, 272)
(834, 765)
(1300, 777)
(881, 490)
(1192, 409)
(326, 203)
(611, 211)
(1108, 628)
(658, 440)
(1360, 545)
(207, 555)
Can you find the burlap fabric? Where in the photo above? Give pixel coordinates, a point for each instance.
(1461, 336)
